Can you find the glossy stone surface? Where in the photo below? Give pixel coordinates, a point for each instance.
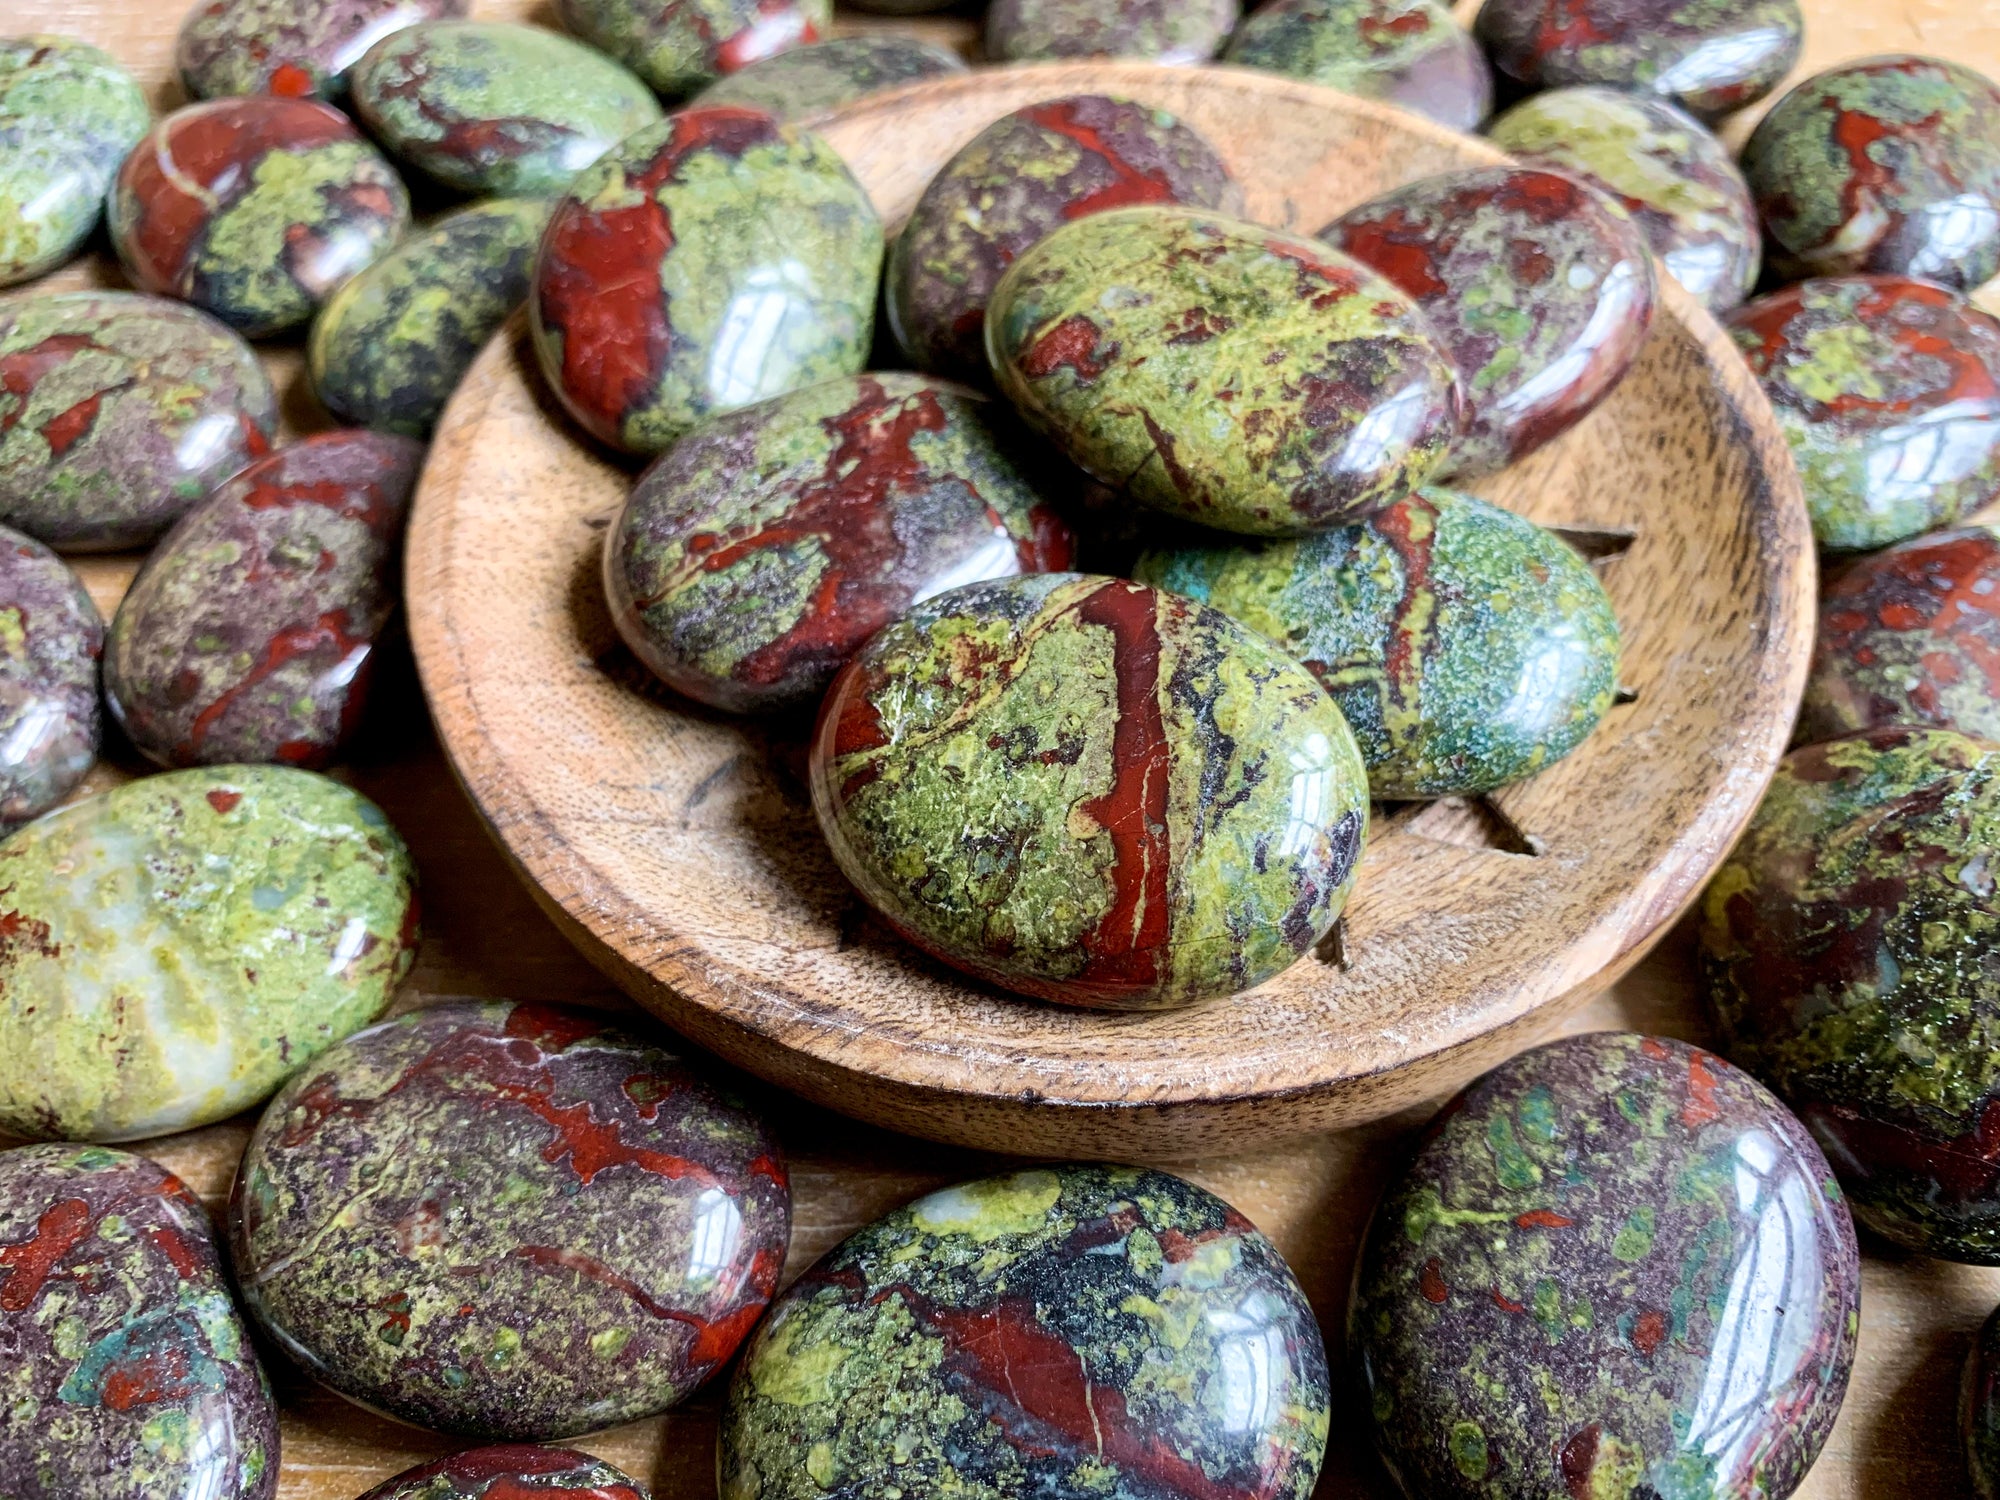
(1888, 390)
(1091, 792)
(297, 49)
(511, 1471)
(1885, 164)
(713, 261)
(118, 412)
(255, 209)
(611, 1226)
(823, 76)
(1541, 292)
(1409, 53)
(50, 639)
(766, 547)
(495, 109)
(1708, 58)
(1848, 947)
(1245, 378)
(249, 635)
(172, 950)
(1466, 647)
(679, 46)
(1068, 1331)
(1663, 166)
(1979, 1410)
(124, 1370)
(1024, 175)
(68, 115)
(1163, 31)
(1615, 1268)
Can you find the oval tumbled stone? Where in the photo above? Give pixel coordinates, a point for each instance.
(125, 1372)
(819, 78)
(297, 49)
(1163, 31)
(1409, 53)
(679, 45)
(1979, 1410)
(50, 640)
(512, 1471)
(172, 950)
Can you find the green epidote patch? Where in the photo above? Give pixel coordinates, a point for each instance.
(1408, 52)
(677, 46)
(826, 75)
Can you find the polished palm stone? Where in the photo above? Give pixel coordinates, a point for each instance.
(679, 46)
(172, 950)
(1024, 175)
(1663, 166)
(512, 1471)
(1404, 52)
(1162, 31)
(1072, 1331)
(496, 109)
(1886, 164)
(1246, 378)
(1540, 290)
(821, 77)
(1850, 955)
(1888, 390)
(118, 412)
(68, 115)
(125, 1373)
(1979, 1410)
(610, 1226)
(298, 49)
(1091, 792)
(1615, 1268)
(1709, 58)
(50, 640)
(765, 548)
(1466, 647)
(713, 261)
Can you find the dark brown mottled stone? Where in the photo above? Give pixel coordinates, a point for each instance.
(1410, 53)
(1979, 1410)
(512, 1471)
(297, 49)
(50, 640)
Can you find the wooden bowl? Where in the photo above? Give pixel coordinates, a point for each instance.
(679, 851)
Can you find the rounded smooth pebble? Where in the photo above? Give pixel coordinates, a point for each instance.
(495, 109)
(1409, 53)
(50, 640)
(172, 950)
(1616, 1267)
(1887, 164)
(1541, 292)
(1662, 166)
(1001, 1337)
(254, 209)
(127, 1374)
(680, 46)
(823, 76)
(1161, 31)
(118, 412)
(1118, 798)
(1024, 175)
(712, 261)
(1888, 390)
(1847, 947)
(765, 548)
(610, 1228)
(512, 1471)
(296, 49)
(1979, 1410)
(1241, 377)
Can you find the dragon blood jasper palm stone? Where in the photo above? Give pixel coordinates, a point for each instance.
(1615, 1268)
(712, 261)
(1024, 175)
(512, 1471)
(50, 640)
(1850, 956)
(249, 635)
(1404, 52)
(609, 1227)
(1662, 166)
(1541, 291)
(1888, 390)
(1242, 377)
(1163, 31)
(678, 46)
(1078, 1330)
(821, 77)
(765, 548)
(124, 1370)
(1885, 164)
(297, 49)
(118, 412)
(495, 109)
(1091, 792)
(171, 951)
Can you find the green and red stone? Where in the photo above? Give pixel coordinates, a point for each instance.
(710, 262)
(254, 209)
(1887, 164)
(127, 1374)
(296, 49)
(681, 46)
(50, 640)
(1616, 1269)
(611, 1225)
(512, 1471)
(1091, 792)
(1074, 1330)
(1851, 948)
(118, 412)
(1241, 377)
(1409, 53)
(820, 77)
(765, 548)
(1162, 31)
(1888, 390)
(1026, 174)
(1541, 291)
(1979, 1410)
